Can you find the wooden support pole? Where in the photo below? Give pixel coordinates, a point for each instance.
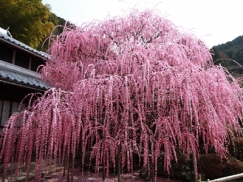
(227, 178)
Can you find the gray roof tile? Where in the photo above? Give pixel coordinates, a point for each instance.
(22, 79)
(19, 44)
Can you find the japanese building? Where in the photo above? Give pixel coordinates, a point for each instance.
(18, 74)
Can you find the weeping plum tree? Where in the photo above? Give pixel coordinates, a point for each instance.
(132, 85)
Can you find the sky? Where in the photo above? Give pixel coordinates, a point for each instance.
(213, 21)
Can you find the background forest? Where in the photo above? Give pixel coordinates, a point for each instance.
(230, 55)
(29, 21)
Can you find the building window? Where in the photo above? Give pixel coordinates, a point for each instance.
(35, 63)
(22, 60)
(6, 54)
(7, 108)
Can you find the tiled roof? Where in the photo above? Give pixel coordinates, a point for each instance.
(22, 80)
(14, 74)
(16, 43)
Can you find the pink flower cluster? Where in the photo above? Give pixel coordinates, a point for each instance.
(132, 85)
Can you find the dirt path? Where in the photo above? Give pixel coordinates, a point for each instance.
(97, 177)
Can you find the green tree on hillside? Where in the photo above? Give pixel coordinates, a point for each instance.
(232, 49)
(29, 20)
(215, 54)
(59, 24)
(217, 58)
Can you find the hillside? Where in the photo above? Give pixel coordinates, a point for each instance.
(58, 23)
(29, 22)
(230, 50)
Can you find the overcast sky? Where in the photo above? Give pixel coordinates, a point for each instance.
(213, 21)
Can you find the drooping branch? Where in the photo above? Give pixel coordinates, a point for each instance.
(129, 85)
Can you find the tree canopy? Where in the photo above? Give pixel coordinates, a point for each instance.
(232, 49)
(132, 85)
(30, 21)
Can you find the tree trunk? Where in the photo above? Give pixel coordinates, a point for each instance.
(68, 169)
(119, 163)
(72, 166)
(194, 159)
(103, 166)
(103, 163)
(152, 171)
(65, 165)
